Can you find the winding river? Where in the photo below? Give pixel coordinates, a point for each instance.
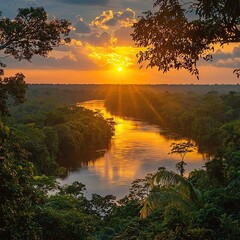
(137, 148)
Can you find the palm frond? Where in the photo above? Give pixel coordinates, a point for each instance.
(163, 198)
(170, 188)
(165, 178)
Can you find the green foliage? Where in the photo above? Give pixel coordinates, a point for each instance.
(76, 189)
(174, 218)
(59, 136)
(34, 141)
(82, 131)
(140, 188)
(180, 167)
(206, 130)
(14, 87)
(18, 199)
(102, 206)
(62, 218)
(201, 117)
(208, 218)
(231, 135)
(165, 205)
(199, 179)
(171, 188)
(215, 171)
(28, 34)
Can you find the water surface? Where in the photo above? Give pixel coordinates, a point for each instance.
(136, 149)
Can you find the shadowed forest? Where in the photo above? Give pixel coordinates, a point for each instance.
(44, 134)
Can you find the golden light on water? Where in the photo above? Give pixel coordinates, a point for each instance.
(135, 144)
(136, 149)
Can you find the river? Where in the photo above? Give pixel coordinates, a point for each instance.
(137, 148)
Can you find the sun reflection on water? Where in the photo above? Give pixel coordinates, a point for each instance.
(137, 149)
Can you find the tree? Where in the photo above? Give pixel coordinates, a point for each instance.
(28, 34)
(18, 198)
(174, 41)
(14, 87)
(169, 188)
(182, 149)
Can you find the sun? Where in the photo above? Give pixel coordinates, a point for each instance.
(120, 69)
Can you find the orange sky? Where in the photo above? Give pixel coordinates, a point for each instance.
(208, 75)
(102, 50)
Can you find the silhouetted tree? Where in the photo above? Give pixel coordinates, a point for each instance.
(182, 149)
(174, 41)
(29, 33)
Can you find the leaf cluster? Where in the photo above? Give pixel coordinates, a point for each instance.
(173, 40)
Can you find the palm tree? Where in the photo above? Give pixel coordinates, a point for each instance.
(167, 188)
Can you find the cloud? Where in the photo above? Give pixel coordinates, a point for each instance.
(66, 57)
(31, 2)
(110, 19)
(74, 43)
(102, 19)
(113, 56)
(82, 27)
(97, 39)
(123, 36)
(227, 59)
(102, 43)
(139, 6)
(86, 2)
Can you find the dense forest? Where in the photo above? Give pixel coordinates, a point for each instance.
(58, 135)
(44, 132)
(42, 135)
(206, 118)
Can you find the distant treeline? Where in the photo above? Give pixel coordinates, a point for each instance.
(66, 94)
(72, 93)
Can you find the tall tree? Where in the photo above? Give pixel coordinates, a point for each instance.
(29, 33)
(182, 149)
(175, 41)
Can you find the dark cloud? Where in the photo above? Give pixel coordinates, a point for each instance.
(123, 36)
(82, 27)
(225, 59)
(231, 60)
(127, 14)
(139, 6)
(86, 2)
(97, 39)
(79, 62)
(112, 22)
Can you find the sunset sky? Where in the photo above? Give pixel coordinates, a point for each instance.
(102, 50)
